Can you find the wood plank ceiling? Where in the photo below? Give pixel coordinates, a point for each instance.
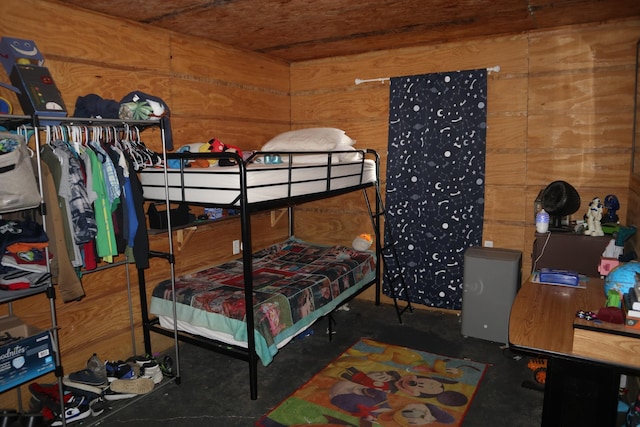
(298, 30)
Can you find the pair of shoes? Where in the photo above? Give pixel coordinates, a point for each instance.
(119, 371)
(152, 371)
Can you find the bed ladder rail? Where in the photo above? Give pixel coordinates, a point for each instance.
(392, 269)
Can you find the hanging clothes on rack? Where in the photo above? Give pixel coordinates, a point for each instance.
(94, 170)
(56, 166)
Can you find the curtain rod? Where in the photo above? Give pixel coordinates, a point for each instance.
(495, 69)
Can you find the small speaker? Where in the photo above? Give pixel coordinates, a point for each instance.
(490, 284)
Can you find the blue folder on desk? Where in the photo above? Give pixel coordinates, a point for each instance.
(552, 276)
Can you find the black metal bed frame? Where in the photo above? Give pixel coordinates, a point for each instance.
(246, 209)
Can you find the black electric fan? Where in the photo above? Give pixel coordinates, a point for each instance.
(559, 199)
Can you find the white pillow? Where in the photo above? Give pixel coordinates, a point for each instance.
(356, 156)
(310, 139)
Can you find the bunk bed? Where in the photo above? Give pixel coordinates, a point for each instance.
(273, 294)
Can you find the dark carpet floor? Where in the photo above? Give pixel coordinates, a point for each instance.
(214, 390)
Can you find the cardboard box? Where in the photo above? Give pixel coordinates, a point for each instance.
(19, 51)
(27, 358)
(38, 92)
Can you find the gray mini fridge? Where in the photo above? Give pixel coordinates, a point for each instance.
(491, 281)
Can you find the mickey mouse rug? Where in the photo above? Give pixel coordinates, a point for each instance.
(375, 384)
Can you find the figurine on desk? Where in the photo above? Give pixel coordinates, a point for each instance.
(594, 216)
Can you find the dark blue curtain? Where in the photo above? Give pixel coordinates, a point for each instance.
(435, 181)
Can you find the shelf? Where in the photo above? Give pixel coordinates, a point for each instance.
(11, 121)
(197, 223)
(8, 296)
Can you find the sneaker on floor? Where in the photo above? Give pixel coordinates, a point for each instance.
(167, 365)
(110, 395)
(48, 395)
(98, 406)
(152, 370)
(88, 377)
(142, 359)
(74, 411)
(80, 389)
(135, 386)
(119, 371)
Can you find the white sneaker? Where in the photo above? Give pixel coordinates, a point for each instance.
(152, 370)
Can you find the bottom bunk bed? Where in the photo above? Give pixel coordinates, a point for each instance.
(295, 283)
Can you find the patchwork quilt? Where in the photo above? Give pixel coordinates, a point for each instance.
(294, 284)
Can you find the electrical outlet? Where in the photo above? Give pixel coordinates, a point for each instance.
(236, 247)
(488, 243)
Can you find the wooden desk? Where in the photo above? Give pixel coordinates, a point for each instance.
(584, 364)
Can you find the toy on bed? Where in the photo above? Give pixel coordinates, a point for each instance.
(194, 163)
(362, 242)
(216, 146)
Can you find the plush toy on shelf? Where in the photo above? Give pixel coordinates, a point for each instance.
(594, 216)
(362, 242)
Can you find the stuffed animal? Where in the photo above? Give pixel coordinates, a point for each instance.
(594, 216)
(362, 242)
(215, 146)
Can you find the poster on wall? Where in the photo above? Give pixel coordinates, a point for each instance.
(435, 181)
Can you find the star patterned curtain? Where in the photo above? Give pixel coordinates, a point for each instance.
(435, 181)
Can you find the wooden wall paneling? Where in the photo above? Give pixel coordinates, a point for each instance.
(507, 130)
(508, 94)
(317, 106)
(578, 168)
(215, 62)
(509, 52)
(606, 130)
(195, 99)
(507, 204)
(583, 47)
(504, 235)
(230, 131)
(499, 166)
(594, 92)
(76, 35)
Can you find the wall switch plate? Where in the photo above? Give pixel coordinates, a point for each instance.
(488, 243)
(236, 247)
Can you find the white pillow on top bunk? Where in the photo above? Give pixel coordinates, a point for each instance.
(309, 139)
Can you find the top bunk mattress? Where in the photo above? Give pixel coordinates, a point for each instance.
(222, 185)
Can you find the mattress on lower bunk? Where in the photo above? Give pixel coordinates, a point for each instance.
(295, 283)
(221, 185)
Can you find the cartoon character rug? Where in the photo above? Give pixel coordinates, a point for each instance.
(376, 384)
